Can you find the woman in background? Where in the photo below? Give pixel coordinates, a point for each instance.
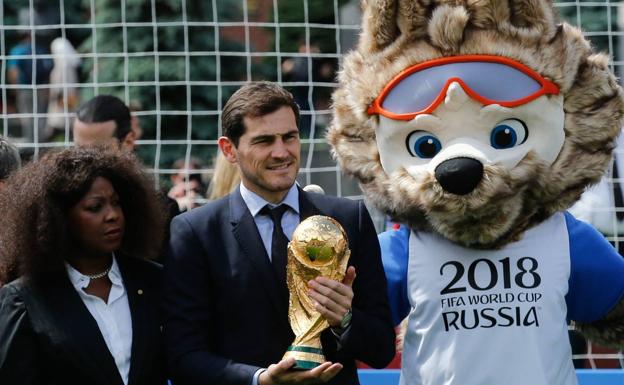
(224, 179)
(82, 305)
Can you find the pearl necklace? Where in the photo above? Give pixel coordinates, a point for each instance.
(99, 275)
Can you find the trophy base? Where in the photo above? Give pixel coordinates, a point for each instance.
(306, 357)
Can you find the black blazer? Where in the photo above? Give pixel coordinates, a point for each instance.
(48, 336)
(225, 315)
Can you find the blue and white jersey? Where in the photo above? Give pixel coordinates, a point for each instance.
(491, 317)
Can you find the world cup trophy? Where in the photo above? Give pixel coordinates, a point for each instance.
(319, 247)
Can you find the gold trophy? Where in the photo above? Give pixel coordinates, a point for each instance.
(318, 247)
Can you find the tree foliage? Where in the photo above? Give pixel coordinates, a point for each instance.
(154, 73)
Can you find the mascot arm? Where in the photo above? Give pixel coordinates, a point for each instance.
(595, 296)
(394, 255)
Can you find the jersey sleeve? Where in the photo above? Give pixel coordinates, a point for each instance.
(394, 255)
(596, 282)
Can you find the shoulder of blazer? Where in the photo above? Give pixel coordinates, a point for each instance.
(34, 295)
(140, 269)
(210, 210)
(333, 204)
(12, 292)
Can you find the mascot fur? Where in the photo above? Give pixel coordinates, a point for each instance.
(476, 124)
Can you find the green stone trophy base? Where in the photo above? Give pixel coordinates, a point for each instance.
(306, 357)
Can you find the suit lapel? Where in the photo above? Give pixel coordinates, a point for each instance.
(246, 233)
(306, 207)
(85, 341)
(139, 314)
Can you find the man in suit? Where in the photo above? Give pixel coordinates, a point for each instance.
(105, 119)
(226, 300)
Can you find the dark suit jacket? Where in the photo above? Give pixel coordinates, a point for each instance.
(48, 336)
(225, 315)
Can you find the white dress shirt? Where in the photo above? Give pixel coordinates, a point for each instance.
(264, 223)
(113, 318)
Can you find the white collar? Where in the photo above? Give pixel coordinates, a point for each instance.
(255, 202)
(80, 281)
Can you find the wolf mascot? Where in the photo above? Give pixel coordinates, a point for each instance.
(476, 124)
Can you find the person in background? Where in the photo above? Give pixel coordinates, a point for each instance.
(135, 122)
(28, 73)
(104, 119)
(226, 298)
(9, 160)
(63, 90)
(188, 187)
(82, 305)
(225, 178)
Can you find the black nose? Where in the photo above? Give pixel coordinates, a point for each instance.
(459, 175)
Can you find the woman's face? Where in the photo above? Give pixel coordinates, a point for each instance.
(97, 220)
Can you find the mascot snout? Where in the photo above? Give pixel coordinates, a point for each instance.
(459, 176)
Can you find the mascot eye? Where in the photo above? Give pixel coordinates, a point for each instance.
(423, 145)
(508, 133)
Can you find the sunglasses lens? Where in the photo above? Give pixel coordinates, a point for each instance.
(492, 81)
(415, 92)
(499, 82)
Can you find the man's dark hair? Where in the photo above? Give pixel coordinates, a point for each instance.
(9, 158)
(104, 108)
(254, 100)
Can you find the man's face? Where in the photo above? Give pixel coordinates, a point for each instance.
(89, 134)
(135, 126)
(267, 153)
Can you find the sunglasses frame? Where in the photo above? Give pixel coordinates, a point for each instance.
(547, 86)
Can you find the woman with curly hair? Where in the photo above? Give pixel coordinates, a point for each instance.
(82, 305)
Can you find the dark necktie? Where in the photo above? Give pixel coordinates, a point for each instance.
(617, 192)
(279, 242)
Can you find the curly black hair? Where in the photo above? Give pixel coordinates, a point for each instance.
(35, 204)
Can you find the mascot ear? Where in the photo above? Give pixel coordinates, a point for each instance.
(532, 14)
(379, 25)
(385, 20)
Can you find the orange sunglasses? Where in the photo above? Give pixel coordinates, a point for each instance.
(489, 79)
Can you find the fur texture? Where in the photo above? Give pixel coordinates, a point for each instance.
(609, 331)
(400, 33)
(397, 34)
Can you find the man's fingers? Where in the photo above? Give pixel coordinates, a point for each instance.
(284, 366)
(302, 376)
(349, 276)
(331, 288)
(330, 372)
(332, 317)
(329, 303)
(324, 372)
(316, 372)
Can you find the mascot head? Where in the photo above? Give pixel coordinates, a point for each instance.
(476, 119)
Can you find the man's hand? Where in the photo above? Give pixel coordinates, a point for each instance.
(332, 298)
(283, 374)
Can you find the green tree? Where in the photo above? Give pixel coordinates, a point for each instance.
(154, 74)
